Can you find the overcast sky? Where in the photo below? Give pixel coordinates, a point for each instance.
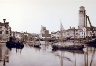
(29, 15)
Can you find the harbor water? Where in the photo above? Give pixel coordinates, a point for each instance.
(45, 56)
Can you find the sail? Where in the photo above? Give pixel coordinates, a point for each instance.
(61, 27)
(62, 31)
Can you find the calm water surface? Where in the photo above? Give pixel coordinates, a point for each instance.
(44, 56)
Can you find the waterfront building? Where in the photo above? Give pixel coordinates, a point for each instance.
(55, 34)
(69, 33)
(73, 33)
(17, 35)
(29, 36)
(82, 31)
(22, 36)
(5, 30)
(87, 31)
(44, 33)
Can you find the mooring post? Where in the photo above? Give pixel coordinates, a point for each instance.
(4, 62)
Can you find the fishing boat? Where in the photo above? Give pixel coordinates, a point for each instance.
(66, 47)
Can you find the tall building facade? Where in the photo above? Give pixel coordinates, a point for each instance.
(82, 15)
(5, 31)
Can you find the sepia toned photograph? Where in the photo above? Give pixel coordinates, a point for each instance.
(47, 32)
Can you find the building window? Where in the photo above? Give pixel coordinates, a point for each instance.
(6, 32)
(0, 32)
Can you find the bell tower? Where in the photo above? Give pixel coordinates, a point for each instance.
(82, 15)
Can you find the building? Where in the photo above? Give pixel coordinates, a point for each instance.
(69, 33)
(73, 33)
(5, 31)
(55, 35)
(44, 33)
(17, 35)
(82, 13)
(82, 31)
(87, 31)
(22, 36)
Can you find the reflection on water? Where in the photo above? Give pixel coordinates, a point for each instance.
(44, 56)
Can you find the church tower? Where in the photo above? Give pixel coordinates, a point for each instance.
(82, 15)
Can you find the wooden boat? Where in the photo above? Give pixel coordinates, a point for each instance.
(13, 44)
(36, 45)
(70, 47)
(91, 43)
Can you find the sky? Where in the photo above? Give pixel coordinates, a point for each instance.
(29, 15)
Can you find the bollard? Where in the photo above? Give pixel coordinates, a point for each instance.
(4, 62)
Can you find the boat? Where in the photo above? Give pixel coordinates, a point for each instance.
(91, 43)
(37, 44)
(70, 47)
(12, 44)
(66, 47)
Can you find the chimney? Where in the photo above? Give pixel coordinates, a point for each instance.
(4, 20)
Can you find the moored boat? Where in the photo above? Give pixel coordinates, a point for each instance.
(37, 44)
(70, 47)
(13, 44)
(91, 43)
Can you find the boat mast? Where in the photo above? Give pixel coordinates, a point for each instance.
(74, 34)
(61, 32)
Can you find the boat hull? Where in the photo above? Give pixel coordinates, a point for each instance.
(91, 43)
(70, 47)
(14, 45)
